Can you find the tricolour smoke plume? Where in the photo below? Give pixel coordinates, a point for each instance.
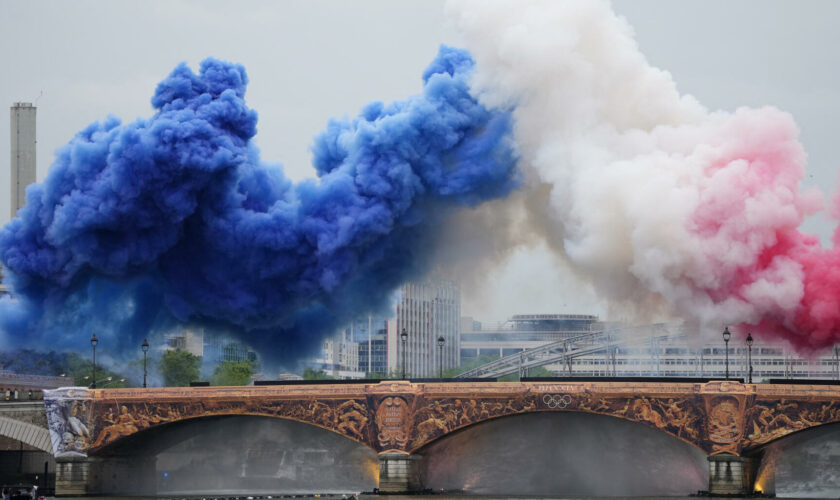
(176, 219)
(663, 204)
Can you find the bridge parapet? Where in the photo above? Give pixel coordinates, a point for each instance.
(400, 417)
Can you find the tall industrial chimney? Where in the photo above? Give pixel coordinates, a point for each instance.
(23, 152)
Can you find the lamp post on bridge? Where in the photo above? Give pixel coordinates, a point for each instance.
(112, 381)
(441, 341)
(93, 342)
(404, 337)
(749, 357)
(145, 347)
(726, 337)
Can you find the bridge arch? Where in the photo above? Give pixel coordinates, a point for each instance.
(806, 460)
(790, 434)
(563, 453)
(434, 429)
(110, 437)
(248, 453)
(30, 434)
(117, 421)
(769, 421)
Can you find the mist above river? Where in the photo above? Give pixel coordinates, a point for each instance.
(805, 464)
(564, 454)
(245, 454)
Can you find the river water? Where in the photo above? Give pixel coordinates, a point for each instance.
(405, 497)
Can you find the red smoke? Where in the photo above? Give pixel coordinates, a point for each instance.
(665, 206)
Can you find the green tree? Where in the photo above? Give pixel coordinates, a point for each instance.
(80, 370)
(179, 367)
(540, 371)
(311, 374)
(77, 370)
(233, 373)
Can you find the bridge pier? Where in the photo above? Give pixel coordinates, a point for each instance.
(730, 475)
(71, 476)
(399, 473)
(82, 475)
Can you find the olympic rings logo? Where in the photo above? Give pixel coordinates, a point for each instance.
(557, 400)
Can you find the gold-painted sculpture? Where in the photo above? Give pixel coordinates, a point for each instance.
(717, 417)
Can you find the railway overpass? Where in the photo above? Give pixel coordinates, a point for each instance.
(95, 432)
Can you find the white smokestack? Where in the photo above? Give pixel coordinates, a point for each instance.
(22, 152)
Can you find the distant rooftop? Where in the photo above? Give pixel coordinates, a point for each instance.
(32, 381)
(540, 317)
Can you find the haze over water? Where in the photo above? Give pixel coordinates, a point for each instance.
(553, 455)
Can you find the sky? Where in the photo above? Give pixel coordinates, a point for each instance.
(311, 60)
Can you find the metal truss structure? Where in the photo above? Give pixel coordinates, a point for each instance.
(564, 351)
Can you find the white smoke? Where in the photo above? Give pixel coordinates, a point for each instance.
(665, 207)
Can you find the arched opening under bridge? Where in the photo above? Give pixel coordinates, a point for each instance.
(25, 454)
(805, 464)
(241, 454)
(563, 454)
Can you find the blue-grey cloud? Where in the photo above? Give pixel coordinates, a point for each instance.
(176, 219)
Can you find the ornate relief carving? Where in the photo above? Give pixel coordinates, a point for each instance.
(769, 420)
(113, 420)
(442, 416)
(392, 423)
(68, 416)
(676, 416)
(725, 424)
(718, 417)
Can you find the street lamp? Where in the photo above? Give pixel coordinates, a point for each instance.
(111, 381)
(749, 356)
(441, 341)
(93, 342)
(145, 347)
(726, 337)
(404, 337)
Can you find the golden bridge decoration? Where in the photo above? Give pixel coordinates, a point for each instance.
(399, 416)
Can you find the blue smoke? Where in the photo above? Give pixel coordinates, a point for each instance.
(175, 219)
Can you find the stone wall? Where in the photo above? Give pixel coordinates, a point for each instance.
(29, 412)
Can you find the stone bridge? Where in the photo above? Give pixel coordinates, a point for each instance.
(26, 452)
(25, 422)
(727, 420)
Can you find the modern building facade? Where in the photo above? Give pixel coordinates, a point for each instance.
(23, 143)
(212, 349)
(426, 311)
(339, 358)
(677, 357)
(640, 351)
(190, 340)
(369, 332)
(521, 331)
(220, 350)
(373, 355)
